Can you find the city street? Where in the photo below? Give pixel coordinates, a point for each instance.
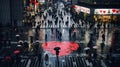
(80, 43)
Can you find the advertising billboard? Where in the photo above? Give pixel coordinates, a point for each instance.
(107, 11)
(81, 9)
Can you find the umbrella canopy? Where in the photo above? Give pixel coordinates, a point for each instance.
(95, 47)
(7, 58)
(16, 51)
(87, 48)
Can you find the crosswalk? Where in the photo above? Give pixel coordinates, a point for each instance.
(74, 61)
(65, 61)
(28, 62)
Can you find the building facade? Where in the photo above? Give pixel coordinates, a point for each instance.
(5, 12)
(10, 11)
(100, 10)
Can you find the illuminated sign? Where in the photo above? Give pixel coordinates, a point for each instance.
(42, 1)
(81, 9)
(107, 11)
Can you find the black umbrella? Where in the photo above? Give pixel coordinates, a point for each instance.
(57, 50)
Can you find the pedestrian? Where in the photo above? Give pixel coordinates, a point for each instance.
(31, 34)
(103, 37)
(36, 47)
(8, 60)
(95, 54)
(26, 46)
(98, 26)
(17, 55)
(90, 44)
(102, 46)
(37, 32)
(39, 57)
(46, 58)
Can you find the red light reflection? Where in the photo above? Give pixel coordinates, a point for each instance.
(66, 47)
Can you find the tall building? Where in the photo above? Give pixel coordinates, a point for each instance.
(5, 12)
(10, 11)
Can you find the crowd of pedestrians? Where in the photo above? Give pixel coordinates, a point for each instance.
(59, 24)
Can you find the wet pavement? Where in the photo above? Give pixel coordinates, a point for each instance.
(86, 34)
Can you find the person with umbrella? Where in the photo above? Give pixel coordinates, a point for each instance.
(57, 54)
(17, 55)
(95, 52)
(46, 60)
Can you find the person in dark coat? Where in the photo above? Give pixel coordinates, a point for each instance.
(102, 46)
(95, 54)
(26, 46)
(36, 47)
(103, 37)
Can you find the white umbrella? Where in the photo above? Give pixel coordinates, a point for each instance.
(95, 47)
(17, 35)
(19, 45)
(86, 48)
(20, 41)
(37, 41)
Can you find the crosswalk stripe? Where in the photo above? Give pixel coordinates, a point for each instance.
(87, 62)
(28, 63)
(103, 64)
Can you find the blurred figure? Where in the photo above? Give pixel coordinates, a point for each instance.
(103, 37)
(17, 56)
(90, 44)
(46, 60)
(36, 48)
(8, 61)
(37, 32)
(95, 53)
(102, 45)
(31, 34)
(20, 45)
(17, 37)
(26, 46)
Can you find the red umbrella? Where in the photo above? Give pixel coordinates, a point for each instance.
(7, 58)
(16, 51)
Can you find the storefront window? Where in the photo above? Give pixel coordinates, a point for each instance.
(105, 18)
